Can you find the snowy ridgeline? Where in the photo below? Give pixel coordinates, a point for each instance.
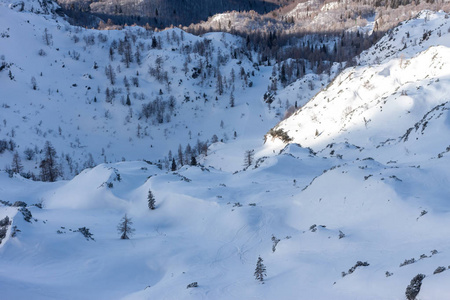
(393, 104)
(361, 214)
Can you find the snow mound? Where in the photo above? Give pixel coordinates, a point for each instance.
(100, 187)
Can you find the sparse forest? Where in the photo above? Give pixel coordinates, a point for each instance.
(142, 163)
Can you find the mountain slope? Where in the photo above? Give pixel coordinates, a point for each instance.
(209, 227)
(170, 79)
(357, 215)
(399, 81)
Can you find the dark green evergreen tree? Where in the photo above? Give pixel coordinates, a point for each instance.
(151, 200)
(174, 165)
(260, 271)
(154, 42)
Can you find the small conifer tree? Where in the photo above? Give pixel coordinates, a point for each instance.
(232, 99)
(174, 165)
(151, 200)
(260, 271)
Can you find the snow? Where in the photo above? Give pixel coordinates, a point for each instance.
(375, 103)
(360, 175)
(108, 131)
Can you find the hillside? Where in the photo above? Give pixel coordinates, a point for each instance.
(395, 98)
(345, 199)
(164, 93)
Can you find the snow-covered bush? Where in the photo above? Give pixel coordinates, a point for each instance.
(282, 135)
(19, 204)
(5, 221)
(413, 289)
(352, 269)
(275, 241)
(86, 233)
(192, 285)
(26, 214)
(408, 262)
(439, 270)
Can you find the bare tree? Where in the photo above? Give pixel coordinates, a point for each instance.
(16, 165)
(47, 37)
(248, 158)
(48, 166)
(110, 74)
(219, 83)
(124, 228)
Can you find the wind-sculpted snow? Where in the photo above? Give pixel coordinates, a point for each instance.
(210, 226)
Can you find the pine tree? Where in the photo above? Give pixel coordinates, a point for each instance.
(232, 99)
(124, 228)
(154, 42)
(111, 53)
(260, 271)
(193, 161)
(174, 165)
(151, 200)
(283, 78)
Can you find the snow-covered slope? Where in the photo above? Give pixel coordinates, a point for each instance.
(355, 216)
(400, 84)
(55, 88)
(210, 227)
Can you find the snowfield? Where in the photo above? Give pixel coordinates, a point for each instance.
(346, 199)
